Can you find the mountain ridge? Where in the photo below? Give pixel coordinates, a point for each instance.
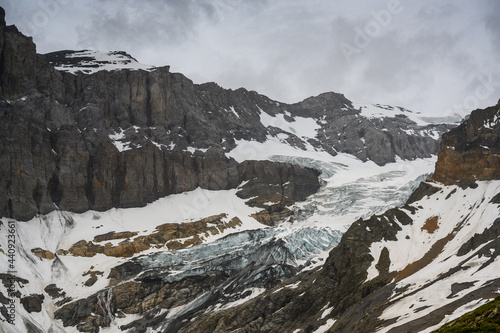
(148, 195)
(74, 128)
(359, 288)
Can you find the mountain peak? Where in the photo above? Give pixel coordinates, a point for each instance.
(88, 61)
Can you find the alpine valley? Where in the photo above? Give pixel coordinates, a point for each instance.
(142, 202)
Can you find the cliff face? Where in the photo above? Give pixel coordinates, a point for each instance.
(471, 151)
(127, 137)
(114, 139)
(123, 138)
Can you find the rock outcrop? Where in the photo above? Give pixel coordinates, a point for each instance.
(471, 151)
(32, 303)
(172, 236)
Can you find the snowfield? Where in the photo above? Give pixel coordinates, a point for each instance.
(457, 215)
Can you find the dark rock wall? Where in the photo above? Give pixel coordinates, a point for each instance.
(471, 151)
(380, 139)
(66, 169)
(55, 150)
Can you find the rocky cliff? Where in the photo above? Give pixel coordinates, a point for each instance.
(118, 139)
(471, 151)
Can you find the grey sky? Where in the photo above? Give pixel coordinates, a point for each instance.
(433, 56)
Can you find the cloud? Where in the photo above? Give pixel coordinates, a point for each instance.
(431, 55)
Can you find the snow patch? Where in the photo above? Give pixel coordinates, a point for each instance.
(324, 328)
(300, 126)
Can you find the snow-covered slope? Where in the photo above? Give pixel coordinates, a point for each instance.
(374, 111)
(436, 269)
(88, 61)
(425, 264)
(409, 269)
(351, 189)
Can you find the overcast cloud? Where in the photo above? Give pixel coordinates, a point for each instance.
(433, 56)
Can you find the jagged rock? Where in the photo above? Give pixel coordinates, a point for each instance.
(2, 17)
(377, 139)
(3, 299)
(8, 279)
(478, 239)
(423, 189)
(114, 235)
(63, 301)
(18, 63)
(272, 215)
(91, 324)
(43, 254)
(93, 277)
(32, 303)
(276, 182)
(165, 235)
(54, 291)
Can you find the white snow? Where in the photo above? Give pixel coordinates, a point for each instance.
(384, 111)
(254, 293)
(103, 61)
(254, 150)
(326, 312)
(192, 150)
(117, 140)
(60, 230)
(293, 285)
(491, 123)
(233, 111)
(301, 127)
(324, 328)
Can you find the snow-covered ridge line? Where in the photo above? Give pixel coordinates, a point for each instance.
(385, 111)
(89, 62)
